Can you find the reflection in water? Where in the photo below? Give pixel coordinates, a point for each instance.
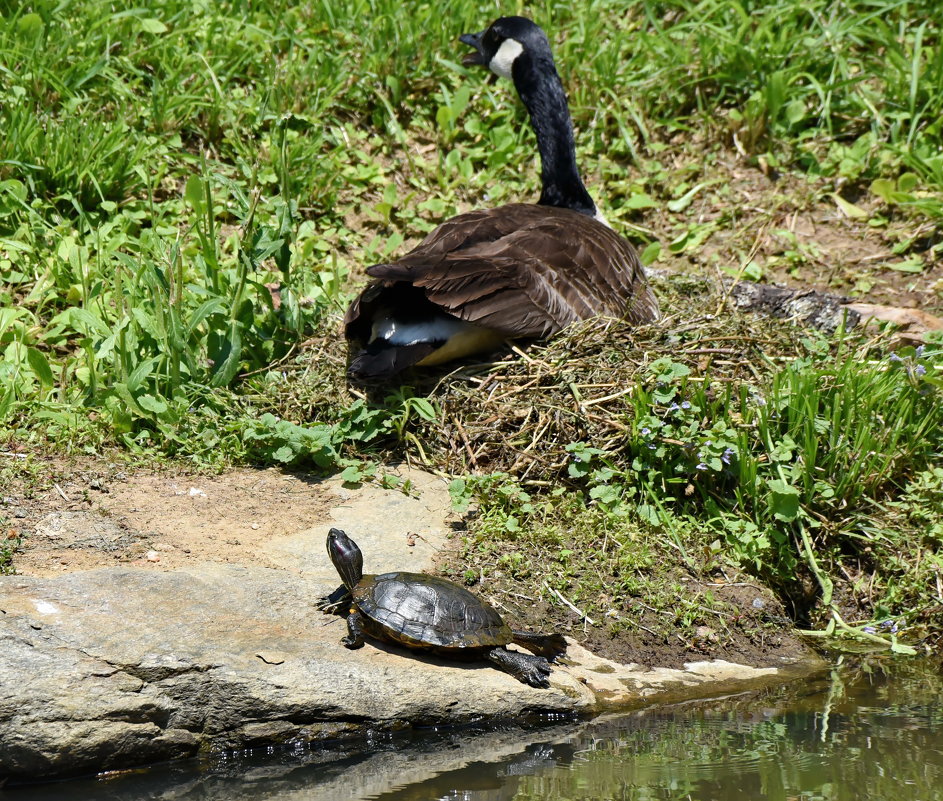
(871, 732)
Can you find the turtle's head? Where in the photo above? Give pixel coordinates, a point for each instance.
(346, 557)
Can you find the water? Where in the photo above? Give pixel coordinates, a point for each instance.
(867, 731)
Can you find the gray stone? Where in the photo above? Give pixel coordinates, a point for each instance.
(122, 666)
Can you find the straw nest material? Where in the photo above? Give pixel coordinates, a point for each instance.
(518, 413)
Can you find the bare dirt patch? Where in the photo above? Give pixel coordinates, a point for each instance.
(95, 515)
(796, 233)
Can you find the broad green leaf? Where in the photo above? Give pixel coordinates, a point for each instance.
(850, 210)
(141, 372)
(83, 321)
(884, 189)
(423, 408)
(152, 25)
(651, 253)
(40, 366)
(784, 500)
(639, 200)
(8, 316)
(908, 182)
(225, 371)
(775, 93)
(205, 310)
(29, 25)
(195, 193)
(352, 474)
(284, 454)
(795, 111)
(151, 404)
(912, 265)
(681, 203)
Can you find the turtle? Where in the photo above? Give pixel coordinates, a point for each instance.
(431, 614)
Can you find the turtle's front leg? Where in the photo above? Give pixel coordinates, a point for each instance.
(354, 638)
(335, 602)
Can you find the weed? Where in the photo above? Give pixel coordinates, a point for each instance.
(10, 542)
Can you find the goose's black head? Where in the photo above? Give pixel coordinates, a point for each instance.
(503, 44)
(516, 48)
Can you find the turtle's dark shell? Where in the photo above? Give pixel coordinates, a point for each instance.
(428, 612)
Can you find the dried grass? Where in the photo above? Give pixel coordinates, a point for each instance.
(518, 413)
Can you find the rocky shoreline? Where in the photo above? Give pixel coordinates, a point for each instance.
(114, 667)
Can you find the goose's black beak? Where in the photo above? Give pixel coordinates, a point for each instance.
(473, 40)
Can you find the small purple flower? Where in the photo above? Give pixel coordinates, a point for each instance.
(701, 466)
(919, 351)
(651, 446)
(725, 458)
(645, 432)
(673, 408)
(895, 358)
(685, 405)
(869, 629)
(920, 370)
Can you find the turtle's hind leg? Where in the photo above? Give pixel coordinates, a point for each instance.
(532, 670)
(548, 645)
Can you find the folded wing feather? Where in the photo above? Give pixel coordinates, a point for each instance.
(521, 270)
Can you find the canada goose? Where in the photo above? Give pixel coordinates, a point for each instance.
(516, 271)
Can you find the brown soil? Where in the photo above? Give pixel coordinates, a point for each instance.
(155, 520)
(742, 622)
(793, 229)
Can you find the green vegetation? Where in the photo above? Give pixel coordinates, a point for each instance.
(189, 192)
(794, 476)
(9, 542)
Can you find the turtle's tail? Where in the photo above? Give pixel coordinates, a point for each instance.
(548, 645)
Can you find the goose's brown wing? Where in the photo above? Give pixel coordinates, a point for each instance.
(525, 270)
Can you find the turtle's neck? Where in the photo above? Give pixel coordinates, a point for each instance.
(541, 91)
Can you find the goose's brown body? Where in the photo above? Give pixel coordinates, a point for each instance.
(518, 271)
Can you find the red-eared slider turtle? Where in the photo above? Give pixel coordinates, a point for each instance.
(432, 614)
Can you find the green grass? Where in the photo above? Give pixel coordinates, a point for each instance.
(188, 195)
(823, 467)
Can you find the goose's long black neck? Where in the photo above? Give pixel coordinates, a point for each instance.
(541, 91)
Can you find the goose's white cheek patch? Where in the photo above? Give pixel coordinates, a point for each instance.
(504, 59)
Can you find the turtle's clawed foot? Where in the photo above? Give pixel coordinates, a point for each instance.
(537, 673)
(532, 670)
(325, 604)
(333, 603)
(354, 638)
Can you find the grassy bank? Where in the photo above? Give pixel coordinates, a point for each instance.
(189, 193)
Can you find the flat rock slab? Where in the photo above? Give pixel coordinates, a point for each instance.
(118, 666)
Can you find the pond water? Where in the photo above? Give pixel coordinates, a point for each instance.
(872, 729)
